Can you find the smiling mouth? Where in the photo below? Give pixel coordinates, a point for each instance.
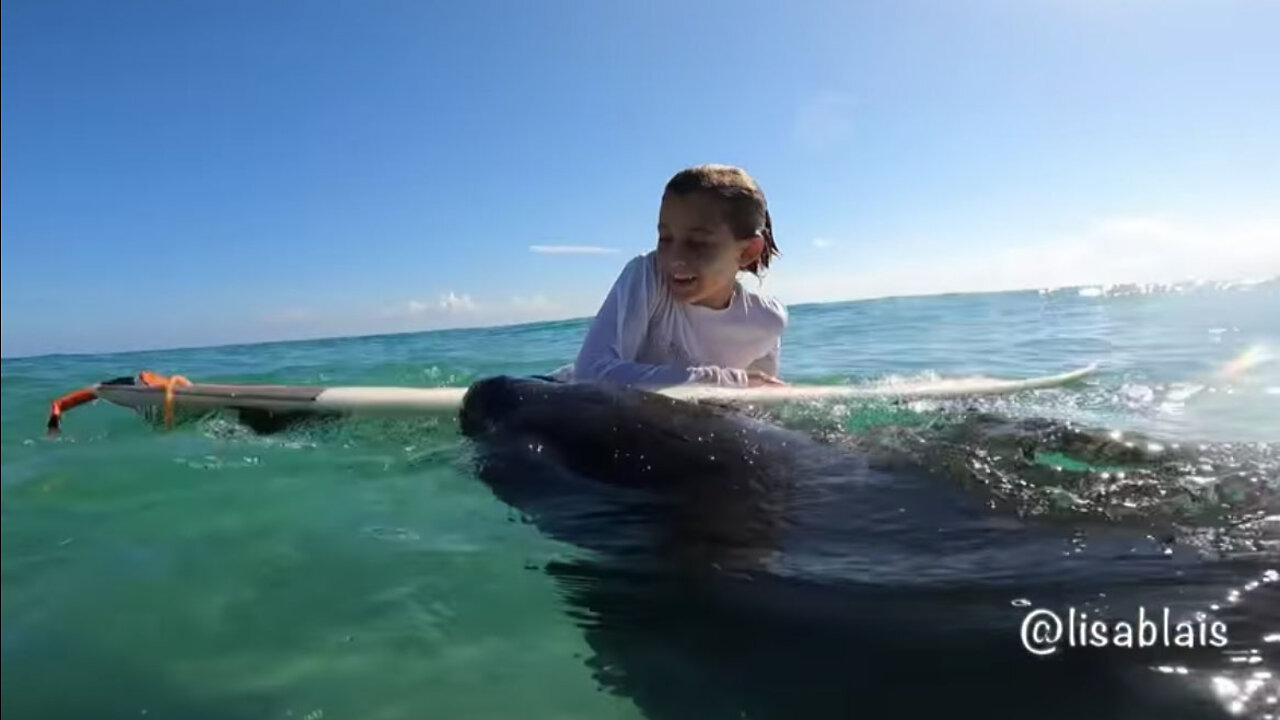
(683, 280)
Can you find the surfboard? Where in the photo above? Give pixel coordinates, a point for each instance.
(393, 401)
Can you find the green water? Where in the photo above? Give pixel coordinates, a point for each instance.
(360, 571)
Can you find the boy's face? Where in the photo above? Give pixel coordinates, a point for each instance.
(698, 257)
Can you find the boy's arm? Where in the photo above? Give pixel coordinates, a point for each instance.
(618, 330)
(770, 362)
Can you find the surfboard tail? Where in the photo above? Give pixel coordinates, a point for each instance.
(88, 394)
(161, 397)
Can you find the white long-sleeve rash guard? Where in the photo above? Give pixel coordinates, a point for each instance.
(644, 336)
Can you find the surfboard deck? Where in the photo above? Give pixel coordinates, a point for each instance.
(374, 400)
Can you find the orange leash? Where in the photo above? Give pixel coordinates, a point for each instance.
(152, 379)
(65, 403)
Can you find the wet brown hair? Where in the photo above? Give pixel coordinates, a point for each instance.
(745, 210)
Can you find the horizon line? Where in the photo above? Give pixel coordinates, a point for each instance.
(578, 318)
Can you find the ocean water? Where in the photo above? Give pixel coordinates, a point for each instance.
(360, 570)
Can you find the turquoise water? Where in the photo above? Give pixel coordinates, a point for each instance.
(359, 570)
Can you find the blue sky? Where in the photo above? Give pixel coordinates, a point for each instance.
(197, 173)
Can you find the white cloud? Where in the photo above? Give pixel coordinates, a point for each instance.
(449, 310)
(1135, 227)
(1128, 249)
(824, 121)
(821, 242)
(1138, 249)
(453, 301)
(534, 303)
(571, 249)
(448, 303)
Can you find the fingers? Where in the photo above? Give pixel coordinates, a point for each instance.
(756, 378)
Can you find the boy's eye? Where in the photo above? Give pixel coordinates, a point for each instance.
(698, 246)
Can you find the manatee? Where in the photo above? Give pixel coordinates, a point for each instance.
(727, 566)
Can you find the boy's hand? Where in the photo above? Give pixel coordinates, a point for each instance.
(756, 378)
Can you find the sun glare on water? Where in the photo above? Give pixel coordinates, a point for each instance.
(1251, 358)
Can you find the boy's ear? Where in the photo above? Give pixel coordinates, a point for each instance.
(752, 251)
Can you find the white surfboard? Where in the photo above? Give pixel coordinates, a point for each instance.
(371, 400)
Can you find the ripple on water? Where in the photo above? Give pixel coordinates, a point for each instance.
(392, 534)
